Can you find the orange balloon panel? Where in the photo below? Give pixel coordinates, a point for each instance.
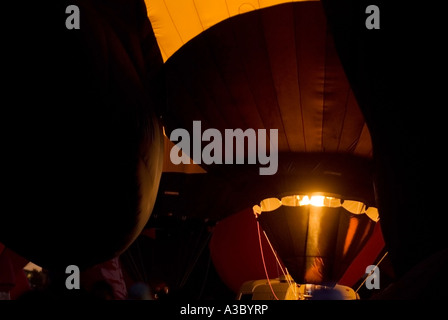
(175, 22)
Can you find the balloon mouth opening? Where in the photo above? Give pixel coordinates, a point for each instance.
(316, 200)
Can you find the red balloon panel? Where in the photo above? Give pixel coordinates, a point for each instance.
(235, 251)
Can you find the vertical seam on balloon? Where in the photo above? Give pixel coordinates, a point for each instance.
(296, 41)
(243, 61)
(199, 17)
(355, 143)
(227, 7)
(272, 79)
(305, 250)
(343, 120)
(172, 20)
(338, 234)
(223, 79)
(229, 92)
(211, 96)
(324, 87)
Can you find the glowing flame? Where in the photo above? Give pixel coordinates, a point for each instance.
(317, 201)
(352, 206)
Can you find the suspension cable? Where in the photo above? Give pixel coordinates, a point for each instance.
(285, 273)
(372, 271)
(264, 263)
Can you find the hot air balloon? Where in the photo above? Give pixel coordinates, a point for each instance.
(277, 67)
(237, 243)
(84, 144)
(318, 236)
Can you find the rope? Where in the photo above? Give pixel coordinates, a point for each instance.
(285, 273)
(371, 272)
(275, 254)
(264, 263)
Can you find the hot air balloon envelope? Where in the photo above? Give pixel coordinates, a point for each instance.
(317, 237)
